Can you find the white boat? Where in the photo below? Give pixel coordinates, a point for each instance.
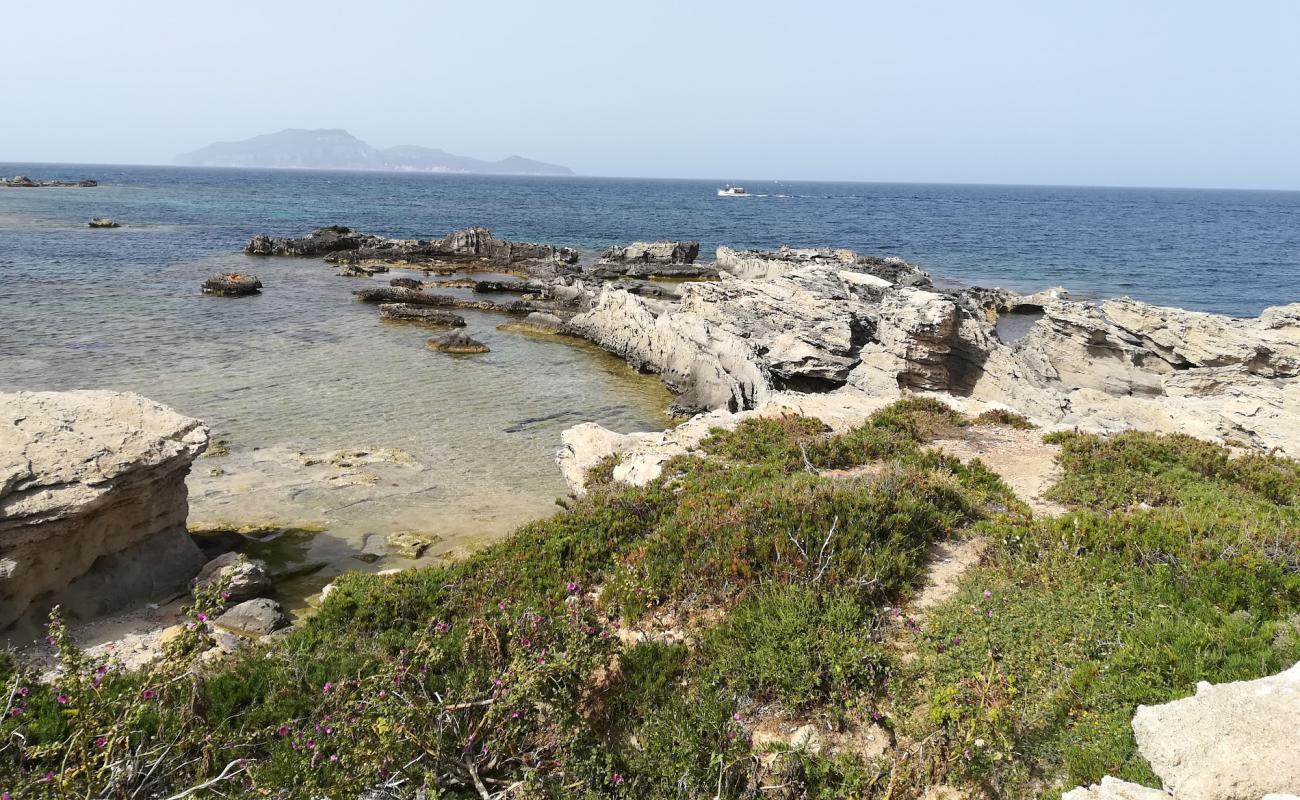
(732, 191)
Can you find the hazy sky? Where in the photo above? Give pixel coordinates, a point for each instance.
(1115, 92)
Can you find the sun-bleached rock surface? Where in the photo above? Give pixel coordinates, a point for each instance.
(816, 320)
(653, 253)
(92, 502)
(1227, 741)
(1114, 789)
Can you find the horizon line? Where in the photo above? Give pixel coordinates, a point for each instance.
(436, 173)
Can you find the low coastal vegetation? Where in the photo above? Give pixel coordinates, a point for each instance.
(739, 627)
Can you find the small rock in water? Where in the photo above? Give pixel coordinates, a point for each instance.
(410, 544)
(253, 618)
(405, 283)
(362, 270)
(103, 222)
(458, 342)
(373, 548)
(232, 284)
(407, 312)
(535, 322)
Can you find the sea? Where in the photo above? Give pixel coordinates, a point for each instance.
(302, 371)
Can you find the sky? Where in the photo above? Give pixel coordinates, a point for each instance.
(1093, 92)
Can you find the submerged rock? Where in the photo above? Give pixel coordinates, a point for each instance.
(410, 544)
(92, 503)
(407, 312)
(401, 295)
(102, 222)
(373, 548)
(232, 284)
(536, 322)
(458, 342)
(501, 286)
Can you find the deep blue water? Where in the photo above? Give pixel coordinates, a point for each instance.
(1233, 252)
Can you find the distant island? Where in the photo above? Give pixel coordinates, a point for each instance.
(335, 148)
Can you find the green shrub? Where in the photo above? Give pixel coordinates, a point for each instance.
(999, 416)
(795, 644)
(1093, 613)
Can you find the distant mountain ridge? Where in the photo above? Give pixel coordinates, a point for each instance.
(335, 148)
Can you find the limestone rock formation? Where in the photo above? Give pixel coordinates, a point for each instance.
(536, 322)
(652, 260)
(1114, 789)
(774, 263)
(728, 344)
(405, 283)
(653, 253)
(92, 502)
(1231, 740)
(814, 320)
(102, 222)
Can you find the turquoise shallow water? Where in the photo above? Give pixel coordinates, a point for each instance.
(304, 368)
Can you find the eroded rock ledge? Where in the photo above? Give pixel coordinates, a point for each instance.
(92, 503)
(815, 320)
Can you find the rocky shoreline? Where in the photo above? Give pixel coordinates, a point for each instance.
(752, 325)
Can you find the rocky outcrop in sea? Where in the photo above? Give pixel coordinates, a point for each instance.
(92, 503)
(24, 182)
